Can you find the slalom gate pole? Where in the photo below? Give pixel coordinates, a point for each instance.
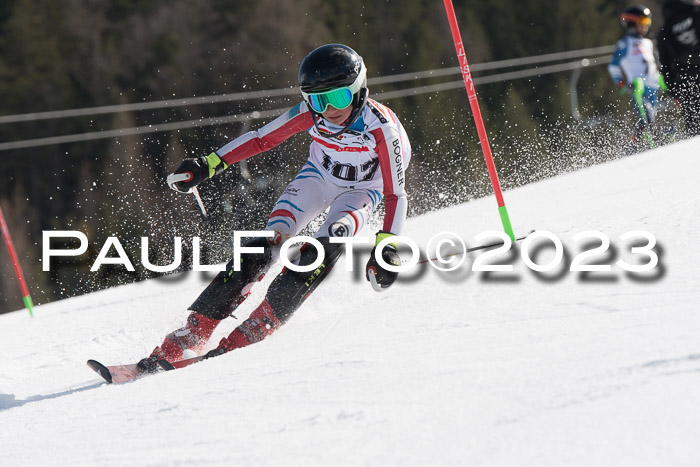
(15, 262)
(476, 112)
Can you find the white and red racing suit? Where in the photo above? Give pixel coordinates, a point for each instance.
(634, 56)
(349, 173)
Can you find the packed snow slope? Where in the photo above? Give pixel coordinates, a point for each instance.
(447, 369)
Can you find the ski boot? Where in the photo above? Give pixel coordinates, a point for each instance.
(219, 300)
(261, 323)
(193, 336)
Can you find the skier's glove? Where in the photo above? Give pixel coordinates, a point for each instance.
(380, 278)
(192, 172)
(621, 86)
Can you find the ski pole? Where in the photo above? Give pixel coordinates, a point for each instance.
(185, 177)
(205, 214)
(15, 262)
(486, 246)
(478, 120)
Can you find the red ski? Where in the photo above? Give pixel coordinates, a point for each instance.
(124, 373)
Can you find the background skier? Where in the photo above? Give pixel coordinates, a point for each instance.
(679, 54)
(358, 154)
(633, 67)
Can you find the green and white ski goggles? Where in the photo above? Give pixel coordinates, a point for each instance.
(340, 98)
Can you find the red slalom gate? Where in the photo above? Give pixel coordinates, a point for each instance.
(478, 120)
(15, 262)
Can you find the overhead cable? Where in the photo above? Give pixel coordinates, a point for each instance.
(281, 92)
(255, 115)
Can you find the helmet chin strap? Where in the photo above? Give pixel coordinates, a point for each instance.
(362, 99)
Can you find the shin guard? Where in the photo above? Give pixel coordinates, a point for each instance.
(286, 293)
(230, 287)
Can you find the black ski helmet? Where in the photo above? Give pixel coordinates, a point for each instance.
(334, 66)
(633, 16)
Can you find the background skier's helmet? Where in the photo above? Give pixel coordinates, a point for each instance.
(636, 15)
(334, 74)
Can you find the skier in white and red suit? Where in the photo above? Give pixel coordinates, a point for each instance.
(358, 155)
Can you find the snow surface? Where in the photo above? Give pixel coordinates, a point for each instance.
(444, 369)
